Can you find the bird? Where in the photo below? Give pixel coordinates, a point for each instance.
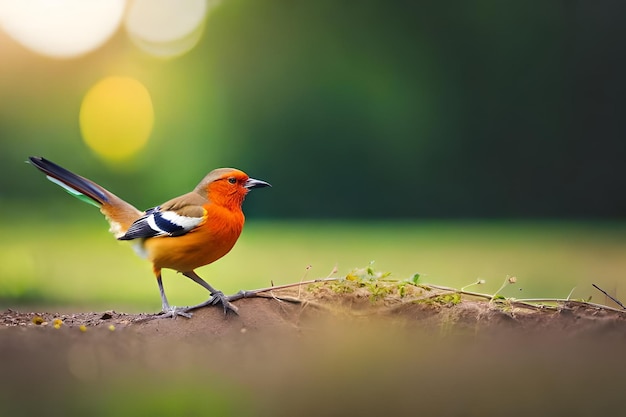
(181, 234)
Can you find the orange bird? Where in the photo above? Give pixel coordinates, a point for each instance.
(182, 234)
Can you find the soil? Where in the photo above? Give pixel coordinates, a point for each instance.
(321, 349)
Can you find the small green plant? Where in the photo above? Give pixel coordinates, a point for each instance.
(378, 290)
(341, 287)
(366, 274)
(402, 291)
(448, 299)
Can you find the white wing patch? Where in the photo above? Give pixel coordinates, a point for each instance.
(187, 223)
(152, 224)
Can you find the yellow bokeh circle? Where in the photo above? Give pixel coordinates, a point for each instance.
(116, 117)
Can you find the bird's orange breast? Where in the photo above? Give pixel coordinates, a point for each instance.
(205, 244)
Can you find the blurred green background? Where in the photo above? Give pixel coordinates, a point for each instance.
(460, 140)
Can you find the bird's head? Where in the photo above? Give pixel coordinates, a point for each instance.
(228, 186)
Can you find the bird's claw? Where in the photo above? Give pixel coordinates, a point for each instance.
(216, 298)
(174, 312)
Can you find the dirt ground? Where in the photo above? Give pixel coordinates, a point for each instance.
(324, 349)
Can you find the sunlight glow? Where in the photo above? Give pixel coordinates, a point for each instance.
(116, 118)
(167, 28)
(61, 28)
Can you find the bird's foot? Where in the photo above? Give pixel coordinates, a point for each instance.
(174, 312)
(218, 297)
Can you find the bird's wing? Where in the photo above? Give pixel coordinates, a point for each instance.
(174, 218)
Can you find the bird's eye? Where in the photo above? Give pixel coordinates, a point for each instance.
(232, 180)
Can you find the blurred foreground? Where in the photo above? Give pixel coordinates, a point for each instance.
(280, 358)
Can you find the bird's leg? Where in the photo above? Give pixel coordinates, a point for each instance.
(217, 297)
(166, 309)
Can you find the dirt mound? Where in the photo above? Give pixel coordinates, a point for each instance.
(397, 303)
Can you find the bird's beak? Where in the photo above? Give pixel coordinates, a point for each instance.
(252, 183)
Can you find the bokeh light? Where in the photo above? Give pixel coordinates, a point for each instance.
(116, 118)
(61, 28)
(166, 28)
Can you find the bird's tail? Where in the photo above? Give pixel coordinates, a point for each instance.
(118, 212)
